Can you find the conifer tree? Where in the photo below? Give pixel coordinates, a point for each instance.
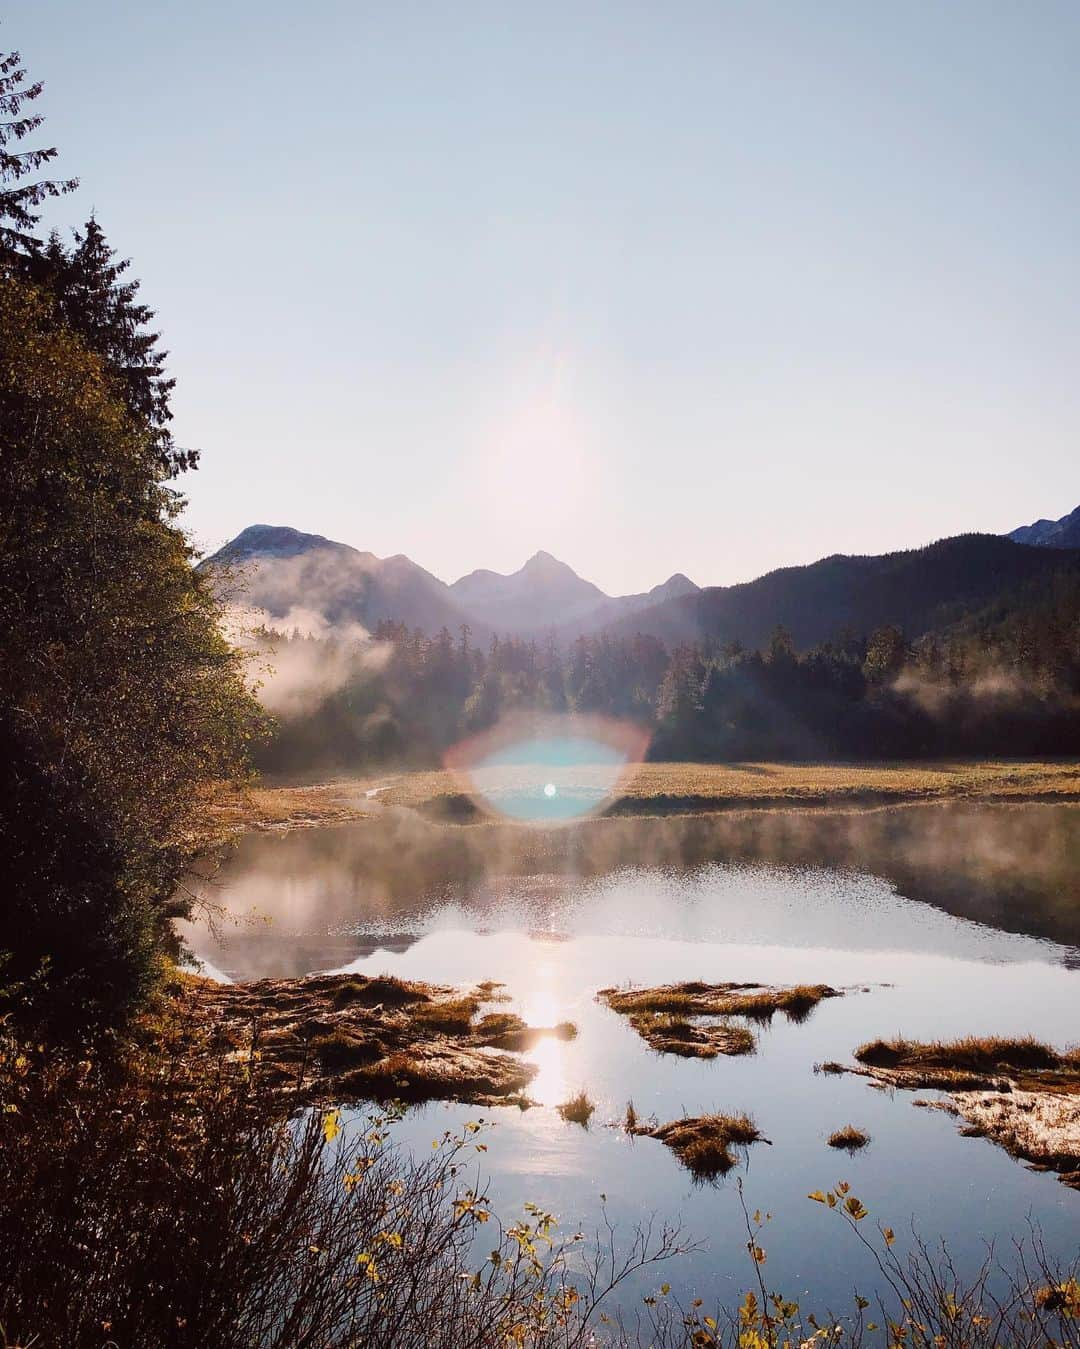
(96, 300)
(20, 190)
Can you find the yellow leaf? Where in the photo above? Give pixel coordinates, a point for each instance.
(331, 1125)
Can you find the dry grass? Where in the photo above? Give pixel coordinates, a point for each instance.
(334, 1038)
(667, 1033)
(665, 788)
(1022, 1094)
(578, 1109)
(976, 1054)
(453, 1016)
(755, 1001)
(505, 1030)
(849, 1138)
(703, 1143)
(383, 990)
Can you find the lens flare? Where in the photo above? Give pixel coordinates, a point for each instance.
(550, 770)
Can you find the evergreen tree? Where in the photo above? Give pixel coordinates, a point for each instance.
(96, 300)
(20, 190)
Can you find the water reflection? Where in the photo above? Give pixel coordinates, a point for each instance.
(937, 920)
(319, 898)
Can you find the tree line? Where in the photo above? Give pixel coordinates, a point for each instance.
(1001, 681)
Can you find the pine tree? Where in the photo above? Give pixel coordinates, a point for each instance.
(94, 299)
(20, 191)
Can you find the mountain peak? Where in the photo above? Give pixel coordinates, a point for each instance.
(542, 561)
(1063, 533)
(271, 541)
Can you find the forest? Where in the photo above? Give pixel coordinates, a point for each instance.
(1003, 680)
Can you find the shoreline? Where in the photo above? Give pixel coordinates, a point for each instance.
(658, 790)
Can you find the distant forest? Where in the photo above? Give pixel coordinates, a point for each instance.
(1003, 680)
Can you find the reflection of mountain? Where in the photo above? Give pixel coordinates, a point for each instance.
(1015, 869)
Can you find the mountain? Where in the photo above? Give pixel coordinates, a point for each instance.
(917, 590)
(285, 571)
(544, 593)
(1063, 533)
(292, 575)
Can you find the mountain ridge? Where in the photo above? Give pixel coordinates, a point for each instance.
(1063, 533)
(916, 589)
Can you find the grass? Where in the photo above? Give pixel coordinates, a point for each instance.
(849, 1138)
(505, 1030)
(703, 1143)
(669, 1033)
(663, 788)
(328, 1039)
(453, 1017)
(339, 1050)
(383, 990)
(578, 1109)
(754, 1001)
(979, 1054)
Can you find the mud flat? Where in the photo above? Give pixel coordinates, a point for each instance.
(661, 1015)
(1019, 1093)
(340, 1038)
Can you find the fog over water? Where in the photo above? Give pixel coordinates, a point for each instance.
(936, 921)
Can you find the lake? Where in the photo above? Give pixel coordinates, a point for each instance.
(937, 921)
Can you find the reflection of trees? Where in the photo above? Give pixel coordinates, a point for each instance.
(1014, 868)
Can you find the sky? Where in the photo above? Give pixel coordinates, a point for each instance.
(701, 287)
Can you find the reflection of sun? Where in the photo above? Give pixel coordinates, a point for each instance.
(541, 1008)
(548, 1087)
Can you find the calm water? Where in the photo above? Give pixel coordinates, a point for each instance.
(940, 921)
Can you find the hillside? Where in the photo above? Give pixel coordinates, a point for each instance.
(294, 576)
(917, 590)
(1063, 533)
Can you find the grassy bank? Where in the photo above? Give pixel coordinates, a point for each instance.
(670, 788)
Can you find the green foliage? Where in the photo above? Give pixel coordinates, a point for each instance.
(120, 697)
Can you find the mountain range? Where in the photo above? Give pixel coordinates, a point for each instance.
(310, 581)
(1063, 533)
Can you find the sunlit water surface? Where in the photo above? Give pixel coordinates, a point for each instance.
(937, 921)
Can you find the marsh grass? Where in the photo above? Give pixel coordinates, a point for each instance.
(669, 1033)
(453, 1016)
(149, 1208)
(339, 1050)
(703, 1143)
(756, 1002)
(382, 990)
(981, 1054)
(849, 1138)
(578, 1109)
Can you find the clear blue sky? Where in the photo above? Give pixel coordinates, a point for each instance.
(708, 287)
